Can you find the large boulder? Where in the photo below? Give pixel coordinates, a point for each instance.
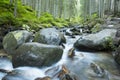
(102, 40)
(36, 54)
(14, 39)
(49, 36)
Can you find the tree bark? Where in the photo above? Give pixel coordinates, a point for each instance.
(15, 8)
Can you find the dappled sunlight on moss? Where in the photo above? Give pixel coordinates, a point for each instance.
(26, 15)
(47, 20)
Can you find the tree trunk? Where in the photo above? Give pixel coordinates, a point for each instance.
(15, 9)
(11, 2)
(116, 7)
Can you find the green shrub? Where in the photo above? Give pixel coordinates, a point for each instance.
(46, 18)
(8, 18)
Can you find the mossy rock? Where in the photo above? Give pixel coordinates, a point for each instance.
(37, 54)
(100, 41)
(49, 36)
(14, 39)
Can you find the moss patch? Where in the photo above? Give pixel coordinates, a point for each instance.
(108, 44)
(96, 28)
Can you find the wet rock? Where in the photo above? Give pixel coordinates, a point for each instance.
(69, 33)
(5, 65)
(117, 20)
(24, 73)
(44, 78)
(36, 54)
(117, 38)
(63, 46)
(102, 40)
(62, 73)
(116, 41)
(118, 33)
(75, 31)
(71, 53)
(1, 39)
(49, 36)
(1, 46)
(14, 39)
(86, 29)
(53, 71)
(65, 74)
(99, 71)
(117, 55)
(63, 30)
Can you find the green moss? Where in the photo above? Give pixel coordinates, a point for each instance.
(7, 18)
(46, 25)
(96, 28)
(26, 16)
(47, 20)
(76, 20)
(108, 44)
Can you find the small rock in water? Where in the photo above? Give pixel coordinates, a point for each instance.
(52, 72)
(63, 46)
(71, 53)
(44, 78)
(118, 33)
(65, 74)
(61, 73)
(99, 71)
(5, 63)
(72, 36)
(4, 71)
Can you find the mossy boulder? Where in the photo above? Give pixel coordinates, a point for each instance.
(36, 54)
(102, 40)
(14, 39)
(49, 36)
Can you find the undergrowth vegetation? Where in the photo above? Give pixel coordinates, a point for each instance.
(26, 18)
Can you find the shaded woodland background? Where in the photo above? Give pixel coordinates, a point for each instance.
(36, 14)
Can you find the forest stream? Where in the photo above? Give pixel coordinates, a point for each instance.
(74, 65)
(59, 39)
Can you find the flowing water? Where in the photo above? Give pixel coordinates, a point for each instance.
(84, 65)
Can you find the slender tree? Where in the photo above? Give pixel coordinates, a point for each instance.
(15, 8)
(11, 2)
